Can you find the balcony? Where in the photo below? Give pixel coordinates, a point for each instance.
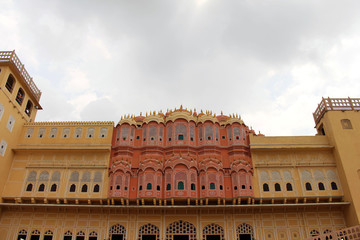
(335, 104)
(11, 57)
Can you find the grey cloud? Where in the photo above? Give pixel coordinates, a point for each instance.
(235, 56)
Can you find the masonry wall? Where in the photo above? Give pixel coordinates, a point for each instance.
(266, 223)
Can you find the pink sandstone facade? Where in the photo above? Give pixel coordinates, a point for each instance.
(181, 155)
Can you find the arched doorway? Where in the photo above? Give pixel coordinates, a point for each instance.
(149, 232)
(213, 232)
(117, 232)
(244, 232)
(181, 230)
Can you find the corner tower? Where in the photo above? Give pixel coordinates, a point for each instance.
(19, 103)
(338, 119)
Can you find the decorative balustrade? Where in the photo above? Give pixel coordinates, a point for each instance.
(344, 234)
(335, 104)
(10, 56)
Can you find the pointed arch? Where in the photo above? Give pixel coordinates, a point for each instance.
(245, 229)
(149, 229)
(117, 229)
(181, 227)
(213, 229)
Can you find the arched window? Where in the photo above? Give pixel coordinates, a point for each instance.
(192, 186)
(22, 235)
(182, 228)
(314, 233)
(117, 232)
(80, 235)
(140, 188)
(48, 235)
(84, 188)
(29, 187)
(53, 188)
(245, 231)
(148, 186)
(180, 185)
(289, 187)
(117, 187)
(321, 186)
(235, 188)
(96, 188)
(334, 186)
(93, 235)
(72, 188)
(41, 187)
(149, 231)
(221, 187)
(277, 187)
(168, 187)
(35, 235)
(10, 83)
(213, 231)
(212, 185)
(203, 187)
(243, 186)
(20, 96)
(158, 188)
(265, 187)
(28, 107)
(68, 235)
(308, 186)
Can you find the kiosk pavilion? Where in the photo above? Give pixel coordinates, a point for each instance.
(179, 175)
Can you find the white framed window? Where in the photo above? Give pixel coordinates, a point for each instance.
(29, 132)
(10, 123)
(3, 146)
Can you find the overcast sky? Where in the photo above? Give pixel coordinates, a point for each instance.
(269, 61)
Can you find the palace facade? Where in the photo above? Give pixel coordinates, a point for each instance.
(177, 175)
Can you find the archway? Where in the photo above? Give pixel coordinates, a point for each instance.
(149, 232)
(244, 232)
(213, 232)
(117, 232)
(181, 230)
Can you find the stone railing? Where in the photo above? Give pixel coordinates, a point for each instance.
(344, 234)
(335, 104)
(10, 56)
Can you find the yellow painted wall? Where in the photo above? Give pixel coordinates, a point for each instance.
(42, 150)
(267, 223)
(17, 112)
(346, 144)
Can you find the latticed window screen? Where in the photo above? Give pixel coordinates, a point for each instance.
(209, 132)
(152, 132)
(236, 131)
(118, 229)
(181, 176)
(244, 228)
(44, 176)
(125, 132)
(182, 228)
(48, 233)
(149, 229)
(23, 231)
(35, 232)
(181, 129)
(213, 229)
(68, 233)
(32, 176)
(314, 233)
